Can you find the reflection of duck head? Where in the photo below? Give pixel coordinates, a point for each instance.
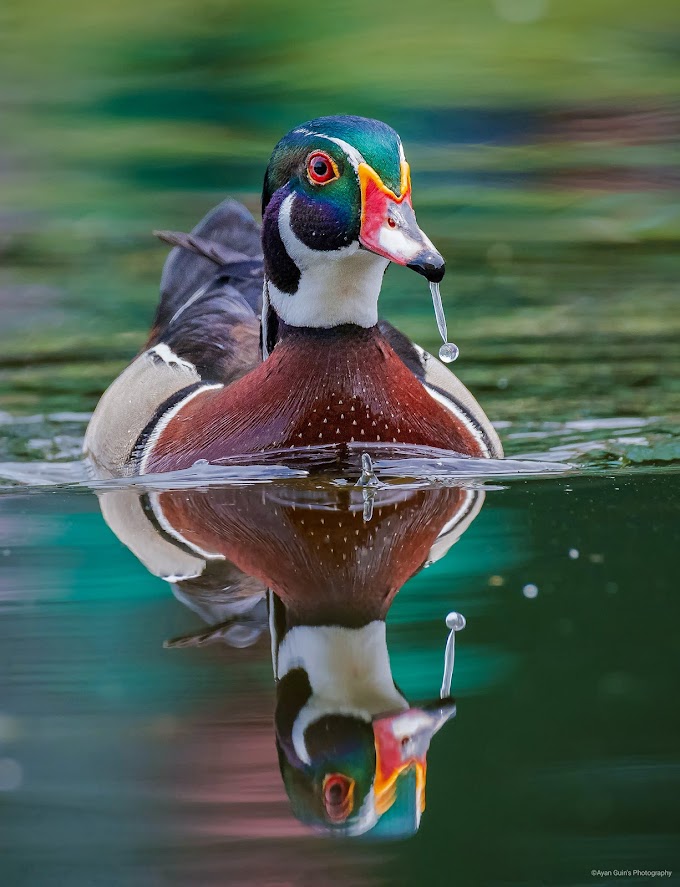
(352, 749)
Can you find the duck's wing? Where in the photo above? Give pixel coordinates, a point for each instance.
(227, 236)
(446, 388)
(211, 293)
(206, 332)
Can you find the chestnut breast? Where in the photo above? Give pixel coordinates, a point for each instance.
(318, 387)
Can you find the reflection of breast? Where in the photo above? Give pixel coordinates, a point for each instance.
(310, 545)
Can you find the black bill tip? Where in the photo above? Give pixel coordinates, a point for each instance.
(430, 264)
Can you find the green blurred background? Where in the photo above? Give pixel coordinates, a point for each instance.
(543, 138)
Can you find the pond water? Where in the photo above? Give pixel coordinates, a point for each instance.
(144, 739)
(138, 743)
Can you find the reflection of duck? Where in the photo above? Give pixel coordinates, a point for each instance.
(337, 209)
(352, 748)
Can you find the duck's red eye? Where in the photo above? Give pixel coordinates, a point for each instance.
(321, 168)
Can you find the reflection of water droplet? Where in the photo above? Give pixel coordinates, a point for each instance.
(530, 591)
(455, 621)
(573, 553)
(448, 352)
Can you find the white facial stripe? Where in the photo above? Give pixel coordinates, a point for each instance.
(353, 155)
(336, 286)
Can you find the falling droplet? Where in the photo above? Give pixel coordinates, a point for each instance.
(448, 352)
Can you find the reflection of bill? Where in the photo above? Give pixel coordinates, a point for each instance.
(304, 558)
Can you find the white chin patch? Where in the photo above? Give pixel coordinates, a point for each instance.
(336, 287)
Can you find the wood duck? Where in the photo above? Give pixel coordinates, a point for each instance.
(270, 340)
(352, 748)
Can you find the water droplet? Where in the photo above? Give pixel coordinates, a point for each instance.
(448, 352)
(455, 621)
(199, 462)
(530, 591)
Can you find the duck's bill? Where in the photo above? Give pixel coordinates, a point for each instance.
(401, 744)
(389, 227)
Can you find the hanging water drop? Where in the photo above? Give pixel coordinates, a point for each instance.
(448, 351)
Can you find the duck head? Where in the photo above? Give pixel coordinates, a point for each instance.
(336, 211)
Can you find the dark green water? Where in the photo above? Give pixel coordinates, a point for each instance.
(543, 142)
(124, 763)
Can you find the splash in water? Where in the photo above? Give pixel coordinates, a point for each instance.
(448, 351)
